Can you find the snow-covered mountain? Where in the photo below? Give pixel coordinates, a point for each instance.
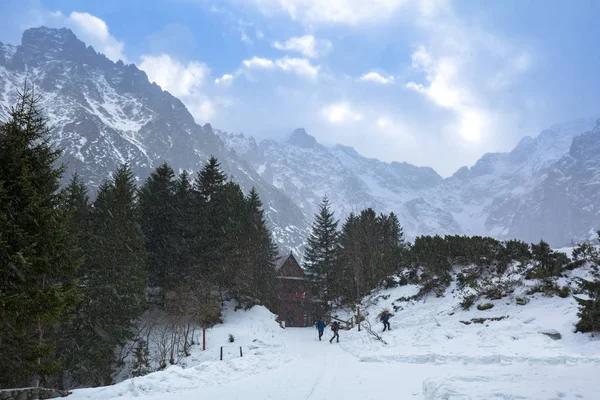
(547, 187)
(105, 113)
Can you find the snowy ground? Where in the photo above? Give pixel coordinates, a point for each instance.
(429, 355)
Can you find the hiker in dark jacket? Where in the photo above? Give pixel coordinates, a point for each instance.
(385, 318)
(321, 328)
(335, 327)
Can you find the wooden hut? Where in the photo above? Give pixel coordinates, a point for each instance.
(295, 305)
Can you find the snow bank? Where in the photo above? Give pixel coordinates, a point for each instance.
(254, 330)
(518, 356)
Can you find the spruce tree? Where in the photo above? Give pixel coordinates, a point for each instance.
(262, 255)
(158, 215)
(115, 279)
(187, 224)
(589, 308)
(71, 341)
(321, 252)
(210, 220)
(38, 260)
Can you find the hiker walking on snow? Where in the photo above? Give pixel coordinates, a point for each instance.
(335, 327)
(385, 318)
(321, 328)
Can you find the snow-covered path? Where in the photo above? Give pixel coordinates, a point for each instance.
(310, 369)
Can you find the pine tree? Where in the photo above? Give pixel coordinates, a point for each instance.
(158, 215)
(349, 270)
(210, 220)
(262, 255)
(210, 179)
(115, 279)
(589, 309)
(38, 259)
(321, 252)
(187, 224)
(70, 340)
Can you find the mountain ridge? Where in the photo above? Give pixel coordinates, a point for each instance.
(105, 113)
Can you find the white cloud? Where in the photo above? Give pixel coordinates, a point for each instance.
(93, 31)
(258, 62)
(299, 66)
(351, 12)
(377, 78)
(340, 113)
(306, 45)
(183, 81)
(446, 90)
(173, 76)
(225, 80)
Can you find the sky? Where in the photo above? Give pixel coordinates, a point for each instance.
(431, 82)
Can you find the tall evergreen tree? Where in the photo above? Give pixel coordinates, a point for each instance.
(71, 341)
(38, 258)
(115, 279)
(263, 253)
(210, 179)
(210, 220)
(321, 252)
(158, 215)
(187, 225)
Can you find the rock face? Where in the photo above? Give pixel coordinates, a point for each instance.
(107, 113)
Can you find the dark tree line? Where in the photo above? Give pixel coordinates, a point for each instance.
(345, 265)
(77, 275)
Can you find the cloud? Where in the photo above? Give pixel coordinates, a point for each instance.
(465, 70)
(224, 80)
(299, 66)
(173, 76)
(239, 25)
(183, 81)
(446, 90)
(347, 12)
(377, 78)
(306, 45)
(340, 113)
(93, 31)
(258, 62)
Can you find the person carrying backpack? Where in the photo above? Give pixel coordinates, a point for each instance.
(335, 327)
(385, 318)
(321, 328)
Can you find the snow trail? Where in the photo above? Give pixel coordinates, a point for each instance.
(313, 370)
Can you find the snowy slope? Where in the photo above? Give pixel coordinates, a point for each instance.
(502, 195)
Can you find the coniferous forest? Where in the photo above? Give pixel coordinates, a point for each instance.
(88, 284)
(78, 275)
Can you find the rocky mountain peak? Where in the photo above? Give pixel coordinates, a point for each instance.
(301, 138)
